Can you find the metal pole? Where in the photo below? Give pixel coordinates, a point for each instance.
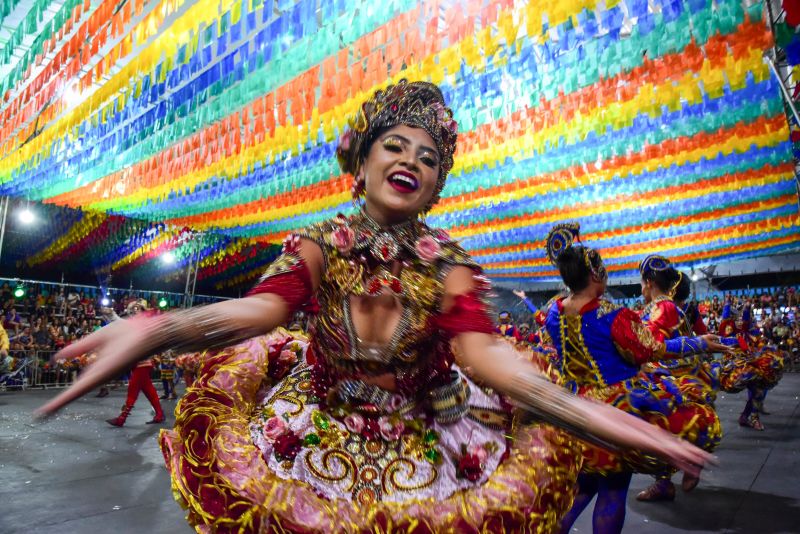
(196, 268)
(788, 102)
(785, 91)
(771, 17)
(191, 272)
(186, 285)
(3, 225)
(189, 265)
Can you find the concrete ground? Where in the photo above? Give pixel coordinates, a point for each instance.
(76, 474)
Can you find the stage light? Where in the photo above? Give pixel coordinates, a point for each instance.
(19, 292)
(105, 301)
(168, 258)
(695, 277)
(26, 216)
(162, 303)
(72, 96)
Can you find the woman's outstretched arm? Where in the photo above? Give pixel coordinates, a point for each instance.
(123, 343)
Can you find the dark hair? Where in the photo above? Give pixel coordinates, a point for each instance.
(683, 290)
(664, 279)
(573, 269)
(693, 313)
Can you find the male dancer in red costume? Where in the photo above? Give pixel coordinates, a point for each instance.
(139, 382)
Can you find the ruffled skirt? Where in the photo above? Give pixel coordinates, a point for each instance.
(661, 403)
(741, 370)
(253, 454)
(694, 378)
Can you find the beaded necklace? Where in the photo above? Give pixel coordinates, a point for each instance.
(384, 245)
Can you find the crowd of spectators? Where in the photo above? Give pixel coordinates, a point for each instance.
(774, 311)
(49, 316)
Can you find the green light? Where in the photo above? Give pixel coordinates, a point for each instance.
(162, 303)
(19, 292)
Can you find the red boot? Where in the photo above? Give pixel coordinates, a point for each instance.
(157, 418)
(150, 392)
(662, 490)
(753, 421)
(120, 419)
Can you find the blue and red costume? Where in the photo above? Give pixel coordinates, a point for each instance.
(756, 369)
(602, 351)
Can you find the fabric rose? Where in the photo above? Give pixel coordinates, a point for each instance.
(372, 430)
(470, 467)
(452, 126)
(441, 235)
(479, 452)
(390, 431)
(274, 428)
(354, 423)
(395, 402)
(343, 238)
(428, 249)
(291, 245)
(281, 360)
(287, 446)
(444, 118)
(287, 357)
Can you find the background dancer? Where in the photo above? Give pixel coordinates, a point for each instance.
(694, 381)
(601, 348)
(754, 365)
(140, 382)
(166, 366)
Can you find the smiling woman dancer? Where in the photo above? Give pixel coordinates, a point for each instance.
(377, 429)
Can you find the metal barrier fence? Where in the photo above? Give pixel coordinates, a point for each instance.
(36, 370)
(17, 377)
(44, 374)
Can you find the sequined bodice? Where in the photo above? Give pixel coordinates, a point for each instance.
(360, 268)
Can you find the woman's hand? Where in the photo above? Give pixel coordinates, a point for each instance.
(625, 430)
(520, 293)
(123, 343)
(501, 367)
(118, 347)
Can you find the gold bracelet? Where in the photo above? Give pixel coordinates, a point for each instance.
(553, 404)
(195, 329)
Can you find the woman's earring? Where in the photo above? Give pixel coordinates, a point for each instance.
(357, 189)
